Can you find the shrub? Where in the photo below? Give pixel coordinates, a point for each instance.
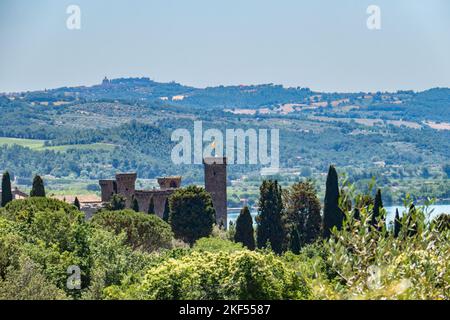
(112, 261)
(24, 210)
(373, 264)
(10, 246)
(49, 232)
(117, 202)
(29, 283)
(216, 244)
(244, 275)
(143, 231)
(442, 222)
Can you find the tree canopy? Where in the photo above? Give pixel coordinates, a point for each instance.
(192, 214)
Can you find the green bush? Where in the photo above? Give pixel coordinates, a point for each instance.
(29, 283)
(52, 234)
(112, 261)
(216, 244)
(242, 275)
(442, 222)
(373, 264)
(143, 231)
(11, 243)
(25, 209)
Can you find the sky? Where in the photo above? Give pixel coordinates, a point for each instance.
(322, 44)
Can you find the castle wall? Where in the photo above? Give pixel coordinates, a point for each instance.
(159, 200)
(143, 198)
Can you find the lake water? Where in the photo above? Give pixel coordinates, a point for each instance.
(433, 211)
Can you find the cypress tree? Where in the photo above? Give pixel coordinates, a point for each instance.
(135, 205)
(356, 214)
(76, 203)
(244, 229)
(38, 189)
(397, 224)
(6, 189)
(332, 214)
(151, 207)
(270, 220)
(166, 213)
(295, 242)
(378, 205)
(302, 210)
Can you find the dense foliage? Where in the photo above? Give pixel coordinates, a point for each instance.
(92, 133)
(303, 215)
(41, 238)
(192, 214)
(221, 276)
(143, 231)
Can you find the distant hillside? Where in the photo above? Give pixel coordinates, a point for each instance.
(433, 104)
(126, 124)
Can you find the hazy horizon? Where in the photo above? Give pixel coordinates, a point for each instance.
(323, 45)
(199, 87)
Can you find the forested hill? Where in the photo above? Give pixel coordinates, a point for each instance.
(401, 137)
(433, 104)
(145, 89)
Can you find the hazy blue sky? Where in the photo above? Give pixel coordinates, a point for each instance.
(321, 44)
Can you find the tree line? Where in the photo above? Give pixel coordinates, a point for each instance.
(287, 220)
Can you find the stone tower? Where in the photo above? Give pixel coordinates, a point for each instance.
(126, 186)
(109, 188)
(216, 185)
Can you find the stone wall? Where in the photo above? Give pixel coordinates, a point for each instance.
(159, 200)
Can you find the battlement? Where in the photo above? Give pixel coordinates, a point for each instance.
(126, 177)
(125, 186)
(169, 182)
(215, 160)
(105, 182)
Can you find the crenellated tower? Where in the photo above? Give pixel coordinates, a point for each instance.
(216, 185)
(126, 186)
